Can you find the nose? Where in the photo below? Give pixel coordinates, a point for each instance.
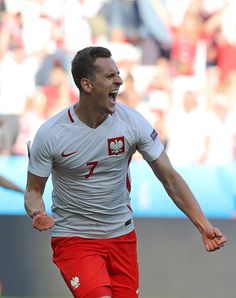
(118, 80)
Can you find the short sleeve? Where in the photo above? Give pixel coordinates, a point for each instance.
(41, 157)
(148, 141)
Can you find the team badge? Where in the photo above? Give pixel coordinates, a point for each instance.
(75, 282)
(116, 145)
(153, 135)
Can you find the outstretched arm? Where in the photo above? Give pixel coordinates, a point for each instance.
(4, 182)
(182, 196)
(34, 204)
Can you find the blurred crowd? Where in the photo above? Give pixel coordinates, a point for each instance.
(177, 60)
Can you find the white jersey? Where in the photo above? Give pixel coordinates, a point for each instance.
(90, 170)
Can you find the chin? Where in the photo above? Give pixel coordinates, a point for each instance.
(112, 109)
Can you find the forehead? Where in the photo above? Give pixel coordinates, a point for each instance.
(106, 65)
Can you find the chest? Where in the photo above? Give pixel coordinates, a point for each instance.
(88, 152)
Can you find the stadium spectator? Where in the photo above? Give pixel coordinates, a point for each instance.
(30, 120)
(220, 122)
(186, 126)
(221, 26)
(227, 42)
(129, 95)
(75, 17)
(57, 92)
(123, 20)
(187, 37)
(157, 99)
(17, 75)
(154, 31)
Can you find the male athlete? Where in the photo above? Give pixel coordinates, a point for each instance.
(87, 148)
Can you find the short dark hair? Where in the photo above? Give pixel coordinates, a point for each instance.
(82, 65)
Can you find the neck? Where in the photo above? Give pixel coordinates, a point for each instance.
(88, 116)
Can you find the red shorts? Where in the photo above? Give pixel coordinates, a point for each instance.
(89, 264)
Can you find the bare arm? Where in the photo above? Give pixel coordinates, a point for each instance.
(34, 204)
(33, 194)
(182, 196)
(4, 182)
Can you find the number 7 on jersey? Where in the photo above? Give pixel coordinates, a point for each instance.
(93, 165)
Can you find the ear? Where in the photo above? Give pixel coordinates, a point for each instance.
(86, 85)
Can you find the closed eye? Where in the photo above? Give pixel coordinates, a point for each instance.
(110, 76)
(113, 74)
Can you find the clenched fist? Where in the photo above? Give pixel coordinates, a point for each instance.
(42, 221)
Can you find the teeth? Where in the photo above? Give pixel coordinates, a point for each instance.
(113, 94)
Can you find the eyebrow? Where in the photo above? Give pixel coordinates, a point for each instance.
(112, 72)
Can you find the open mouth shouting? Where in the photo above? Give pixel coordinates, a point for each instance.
(113, 94)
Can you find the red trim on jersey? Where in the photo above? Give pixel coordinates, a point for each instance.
(71, 118)
(130, 207)
(128, 184)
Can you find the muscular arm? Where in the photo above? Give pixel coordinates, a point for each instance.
(34, 203)
(182, 196)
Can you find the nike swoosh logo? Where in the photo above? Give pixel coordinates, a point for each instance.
(68, 154)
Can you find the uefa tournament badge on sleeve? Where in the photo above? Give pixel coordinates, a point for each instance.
(154, 135)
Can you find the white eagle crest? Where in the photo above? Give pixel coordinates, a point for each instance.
(116, 146)
(75, 282)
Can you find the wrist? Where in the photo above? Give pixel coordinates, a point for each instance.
(205, 226)
(34, 213)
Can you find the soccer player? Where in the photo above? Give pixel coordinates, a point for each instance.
(87, 148)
